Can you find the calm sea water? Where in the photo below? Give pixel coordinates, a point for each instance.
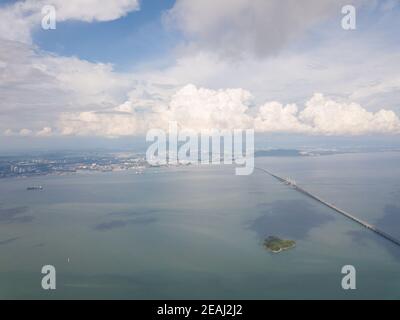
(196, 232)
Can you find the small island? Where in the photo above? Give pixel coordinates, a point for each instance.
(276, 244)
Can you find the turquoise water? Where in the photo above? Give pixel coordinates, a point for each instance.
(196, 232)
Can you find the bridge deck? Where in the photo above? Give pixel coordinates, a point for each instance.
(333, 207)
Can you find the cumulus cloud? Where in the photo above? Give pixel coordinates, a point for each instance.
(91, 123)
(257, 27)
(193, 108)
(45, 132)
(35, 87)
(204, 109)
(325, 116)
(275, 117)
(46, 94)
(25, 132)
(199, 108)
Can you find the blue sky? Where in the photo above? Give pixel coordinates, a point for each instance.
(114, 70)
(141, 36)
(126, 42)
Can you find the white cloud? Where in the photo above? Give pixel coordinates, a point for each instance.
(45, 132)
(25, 132)
(275, 117)
(95, 83)
(13, 24)
(37, 87)
(256, 27)
(204, 109)
(199, 108)
(193, 108)
(8, 133)
(17, 20)
(51, 95)
(325, 116)
(90, 123)
(389, 85)
(90, 10)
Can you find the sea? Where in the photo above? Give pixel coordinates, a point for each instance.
(197, 232)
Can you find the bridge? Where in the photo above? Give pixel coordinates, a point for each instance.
(294, 185)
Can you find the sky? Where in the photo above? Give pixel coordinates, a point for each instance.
(112, 70)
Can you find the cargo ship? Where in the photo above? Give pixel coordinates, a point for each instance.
(34, 188)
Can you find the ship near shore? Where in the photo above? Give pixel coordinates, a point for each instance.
(275, 244)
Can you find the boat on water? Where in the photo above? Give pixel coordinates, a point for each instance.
(34, 188)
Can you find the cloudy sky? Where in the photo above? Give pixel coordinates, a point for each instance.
(115, 69)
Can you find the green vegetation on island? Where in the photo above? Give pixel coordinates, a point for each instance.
(276, 244)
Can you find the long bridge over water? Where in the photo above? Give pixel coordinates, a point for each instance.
(333, 207)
